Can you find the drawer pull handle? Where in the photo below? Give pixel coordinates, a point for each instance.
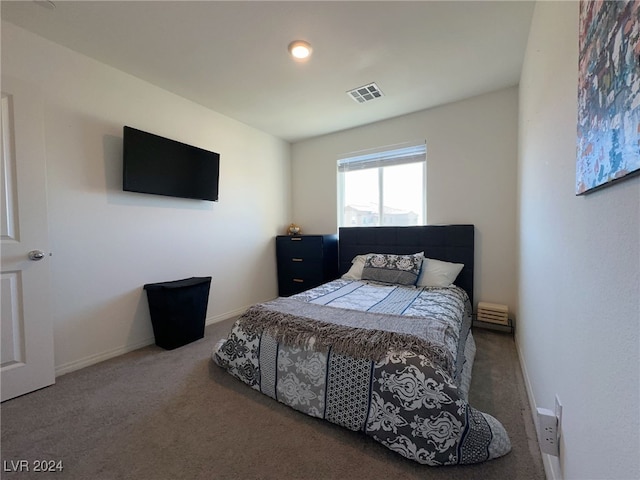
(298, 280)
(297, 259)
(294, 239)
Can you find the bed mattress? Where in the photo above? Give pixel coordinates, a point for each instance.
(391, 361)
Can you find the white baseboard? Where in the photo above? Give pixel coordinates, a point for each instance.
(551, 464)
(101, 357)
(225, 316)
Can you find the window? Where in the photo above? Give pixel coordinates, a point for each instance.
(386, 187)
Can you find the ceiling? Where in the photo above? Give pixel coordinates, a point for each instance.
(232, 56)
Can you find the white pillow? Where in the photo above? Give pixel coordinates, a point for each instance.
(436, 273)
(357, 265)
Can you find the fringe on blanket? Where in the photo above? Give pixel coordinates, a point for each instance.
(370, 344)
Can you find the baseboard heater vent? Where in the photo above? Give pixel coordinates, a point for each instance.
(493, 313)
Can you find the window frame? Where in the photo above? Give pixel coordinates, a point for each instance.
(379, 158)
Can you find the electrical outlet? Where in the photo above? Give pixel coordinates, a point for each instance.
(548, 432)
(558, 411)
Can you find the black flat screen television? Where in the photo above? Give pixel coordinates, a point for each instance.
(158, 165)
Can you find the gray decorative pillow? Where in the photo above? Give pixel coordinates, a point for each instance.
(391, 268)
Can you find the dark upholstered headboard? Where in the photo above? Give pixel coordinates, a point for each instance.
(449, 243)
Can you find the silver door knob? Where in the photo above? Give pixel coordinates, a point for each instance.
(36, 255)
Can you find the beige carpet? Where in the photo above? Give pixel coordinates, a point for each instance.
(156, 414)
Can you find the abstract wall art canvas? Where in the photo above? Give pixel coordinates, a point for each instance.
(608, 146)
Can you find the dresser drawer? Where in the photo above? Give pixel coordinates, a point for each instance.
(301, 269)
(290, 284)
(309, 248)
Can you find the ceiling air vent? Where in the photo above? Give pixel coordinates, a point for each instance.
(365, 93)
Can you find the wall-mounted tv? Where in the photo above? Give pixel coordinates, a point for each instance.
(158, 165)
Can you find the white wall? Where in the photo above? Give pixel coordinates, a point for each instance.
(107, 243)
(471, 178)
(579, 262)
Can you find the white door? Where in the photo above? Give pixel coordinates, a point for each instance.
(26, 330)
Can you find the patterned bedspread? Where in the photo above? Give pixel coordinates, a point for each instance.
(409, 399)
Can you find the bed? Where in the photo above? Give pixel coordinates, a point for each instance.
(386, 349)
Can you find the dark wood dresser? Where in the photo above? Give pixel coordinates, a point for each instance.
(305, 261)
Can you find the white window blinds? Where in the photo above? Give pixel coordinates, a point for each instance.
(384, 158)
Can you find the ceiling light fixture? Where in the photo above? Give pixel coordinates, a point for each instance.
(300, 50)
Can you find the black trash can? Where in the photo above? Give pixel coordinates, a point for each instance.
(178, 310)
